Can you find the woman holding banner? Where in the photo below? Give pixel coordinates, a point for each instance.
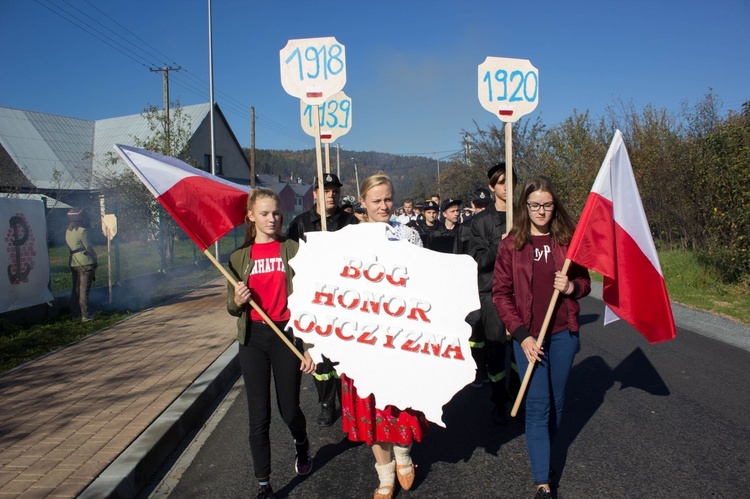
(389, 427)
(527, 273)
(261, 269)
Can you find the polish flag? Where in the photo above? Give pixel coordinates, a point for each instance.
(205, 206)
(613, 238)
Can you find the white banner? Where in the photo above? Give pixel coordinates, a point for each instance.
(24, 257)
(389, 312)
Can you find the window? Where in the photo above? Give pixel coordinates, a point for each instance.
(219, 164)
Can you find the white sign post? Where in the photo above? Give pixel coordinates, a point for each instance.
(314, 69)
(509, 89)
(109, 229)
(335, 120)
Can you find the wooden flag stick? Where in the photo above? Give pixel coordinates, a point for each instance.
(260, 311)
(319, 159)
(539, 341)
(509, 177)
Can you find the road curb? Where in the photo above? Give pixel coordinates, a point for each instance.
(133, 469)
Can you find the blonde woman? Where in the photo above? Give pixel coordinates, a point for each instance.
(383, 428)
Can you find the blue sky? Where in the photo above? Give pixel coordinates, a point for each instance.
(411, 64)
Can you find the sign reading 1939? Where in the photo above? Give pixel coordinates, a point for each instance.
(508, 88)
(313, 69)
(335, 118)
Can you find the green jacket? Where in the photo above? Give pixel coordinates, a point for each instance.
(241, 265)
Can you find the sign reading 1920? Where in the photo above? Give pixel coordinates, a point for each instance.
(508, 88)
(313, 69)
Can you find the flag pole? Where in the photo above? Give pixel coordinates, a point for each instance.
(260, 311)
(539, 341)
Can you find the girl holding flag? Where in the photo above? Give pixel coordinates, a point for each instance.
(527, 273)
(387, 428)
(261, 268)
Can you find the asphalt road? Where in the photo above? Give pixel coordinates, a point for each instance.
(669, 420)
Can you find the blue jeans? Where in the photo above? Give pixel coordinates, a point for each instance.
(546, 386)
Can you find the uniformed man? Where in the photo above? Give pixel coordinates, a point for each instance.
(326, 379)
(447, 237)
(427, 224)
(489, 339)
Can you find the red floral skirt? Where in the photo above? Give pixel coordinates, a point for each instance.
(366, 423)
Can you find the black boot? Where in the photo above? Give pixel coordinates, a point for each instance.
(327, 414)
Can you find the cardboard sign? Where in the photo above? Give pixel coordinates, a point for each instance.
(24, 259)
(390, 313)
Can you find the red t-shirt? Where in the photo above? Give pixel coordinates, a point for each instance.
(267, 282)
(542, 281)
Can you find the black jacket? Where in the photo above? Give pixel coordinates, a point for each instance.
(309, 221)
(487, 229)
(453, 240)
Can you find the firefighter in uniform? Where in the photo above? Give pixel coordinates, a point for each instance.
(426, 223)
(488, 342)
(326, 379)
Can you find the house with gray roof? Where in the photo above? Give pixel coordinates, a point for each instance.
(64, 158)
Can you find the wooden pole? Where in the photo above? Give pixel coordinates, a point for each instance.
(319, 159)
(539, 341)
(328, 158)
(508, 177)
(260, 311)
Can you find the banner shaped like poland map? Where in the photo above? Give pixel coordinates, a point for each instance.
(390, 313)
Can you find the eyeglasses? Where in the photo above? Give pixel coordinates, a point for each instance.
(537, 206)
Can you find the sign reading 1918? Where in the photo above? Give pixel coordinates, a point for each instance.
(313, 69)
(508, 88)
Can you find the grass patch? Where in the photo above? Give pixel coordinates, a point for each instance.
(694, 285)
(20, 344)
(698, 286)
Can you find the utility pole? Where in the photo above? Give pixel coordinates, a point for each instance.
(438, 175)
(356, 177)
(165, 91)
(252, 147)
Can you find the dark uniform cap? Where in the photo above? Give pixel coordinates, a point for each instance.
(328, 179)
(431, 205)
(482, 196)
(448, 203)
(495, 168)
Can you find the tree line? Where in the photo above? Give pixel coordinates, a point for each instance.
(692, 169)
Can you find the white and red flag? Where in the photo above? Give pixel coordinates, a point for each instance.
(614, 239)
(205, 206)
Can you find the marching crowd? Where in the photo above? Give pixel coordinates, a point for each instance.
(518, 272)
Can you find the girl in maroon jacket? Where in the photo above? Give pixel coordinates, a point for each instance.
(527, 272)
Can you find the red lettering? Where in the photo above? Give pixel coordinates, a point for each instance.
(340, 334)
(301, 329)
(353, 304)
(417, 310)
(350, 270)
(389, 341)
(399, 311)
(327, 332)
(367, 337)
(320, 296)
(410, 346)
(455, 350)
(391, 277)
(431, 346)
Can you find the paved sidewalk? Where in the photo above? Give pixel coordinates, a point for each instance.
(64, 418)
